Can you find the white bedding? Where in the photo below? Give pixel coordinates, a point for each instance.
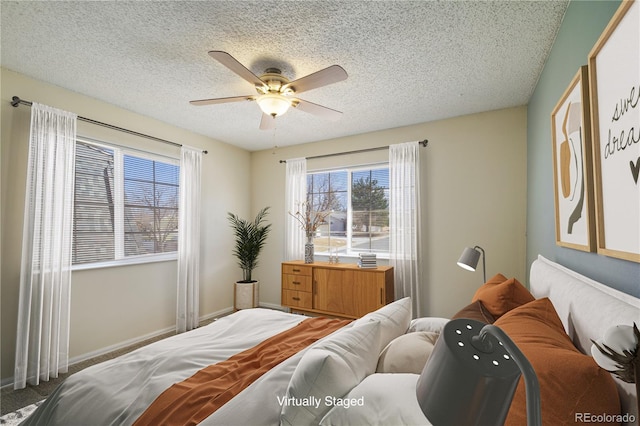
(117, 392)
(108, 395)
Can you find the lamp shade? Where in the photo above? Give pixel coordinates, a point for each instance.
(467, 381)
(469, 259)
(273, 104)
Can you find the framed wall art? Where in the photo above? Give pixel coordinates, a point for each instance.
(572, 171)
(614, 86)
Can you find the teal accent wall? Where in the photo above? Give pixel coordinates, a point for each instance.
(583, 23)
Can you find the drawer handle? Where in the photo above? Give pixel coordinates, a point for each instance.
(295, 282)
(296, 298)
(296, 270)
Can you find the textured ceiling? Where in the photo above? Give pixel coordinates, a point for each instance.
(408, 61)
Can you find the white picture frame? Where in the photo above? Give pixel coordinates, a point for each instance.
(614, 86)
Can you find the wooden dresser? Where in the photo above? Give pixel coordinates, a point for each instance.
(341, 290)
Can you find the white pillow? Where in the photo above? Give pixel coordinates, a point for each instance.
(328, 370)
(434, 324)
(407, 353)
(394, 320)
(380, 399)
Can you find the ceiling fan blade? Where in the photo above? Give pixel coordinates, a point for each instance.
(267, 122)
(201, 102)
(232, 63)
(316, 109)
(329, 75)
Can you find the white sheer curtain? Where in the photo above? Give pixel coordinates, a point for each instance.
(295, 194)
(404, 221)
(42, 343)
(187, 313)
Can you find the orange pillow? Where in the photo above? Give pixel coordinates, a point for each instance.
(475, 311)
(571, 383)
(501, 296)
(496, 279)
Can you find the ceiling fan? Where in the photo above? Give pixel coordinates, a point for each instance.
(275, 93)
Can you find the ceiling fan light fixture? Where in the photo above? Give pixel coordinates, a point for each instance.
(273, 104)
(275, 93)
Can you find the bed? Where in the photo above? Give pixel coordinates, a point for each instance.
(345, 375)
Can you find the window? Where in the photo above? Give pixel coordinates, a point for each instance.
(358, 202)
(126, 204)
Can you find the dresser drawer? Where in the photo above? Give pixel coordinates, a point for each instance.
(296, 270)
(296, 282)
(298, 299)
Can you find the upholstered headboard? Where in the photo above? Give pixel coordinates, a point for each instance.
(587, 309)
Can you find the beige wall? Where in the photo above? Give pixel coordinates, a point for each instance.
(473, 193)
(113, 305)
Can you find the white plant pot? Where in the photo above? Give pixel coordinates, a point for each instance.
(246, 295)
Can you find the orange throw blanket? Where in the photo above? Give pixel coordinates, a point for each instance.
(196, 398)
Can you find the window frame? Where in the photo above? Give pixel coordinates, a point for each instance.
(351, 253)
(119, 151)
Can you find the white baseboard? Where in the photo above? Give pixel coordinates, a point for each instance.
(136, 340)
(216, 314)
(273, 306)
(121, 345)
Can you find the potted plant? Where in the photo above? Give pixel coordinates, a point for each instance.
(250, 239)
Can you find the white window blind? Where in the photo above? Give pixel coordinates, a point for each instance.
(126, 204)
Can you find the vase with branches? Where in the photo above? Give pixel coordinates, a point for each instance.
(309, 221)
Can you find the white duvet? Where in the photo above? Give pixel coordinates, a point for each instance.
(117, 392)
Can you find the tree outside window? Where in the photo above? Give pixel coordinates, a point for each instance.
(151, 206)
(370, 210)
(358, 202)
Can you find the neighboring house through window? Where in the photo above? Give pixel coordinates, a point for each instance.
(358, 202)
(126, 205)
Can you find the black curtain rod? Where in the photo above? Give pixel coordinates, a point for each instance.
(15, 101)
(358, 151)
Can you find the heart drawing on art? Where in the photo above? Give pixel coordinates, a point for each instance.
(635, 169)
